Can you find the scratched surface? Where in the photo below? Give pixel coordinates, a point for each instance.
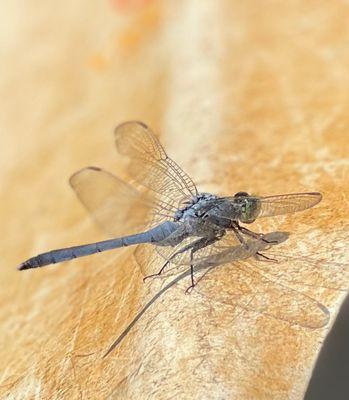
(246, 98)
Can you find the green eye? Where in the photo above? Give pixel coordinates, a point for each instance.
(250, 210)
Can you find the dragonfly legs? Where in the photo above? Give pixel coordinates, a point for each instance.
(193, 247)
(238, 230)
(192, 285)
(262, 257)
(174, 255)
(157, 273)
(199, 244)
(166, 263)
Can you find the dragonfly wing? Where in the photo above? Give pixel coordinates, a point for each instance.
(118, 208)
(320, 270)
(150, 166)
(287, 203)
(283, 286)
(252, 291)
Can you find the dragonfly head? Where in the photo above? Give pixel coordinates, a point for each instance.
(249, 207)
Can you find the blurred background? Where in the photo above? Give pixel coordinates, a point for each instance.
(246, 96)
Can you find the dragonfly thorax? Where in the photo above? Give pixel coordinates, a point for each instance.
(195, 207)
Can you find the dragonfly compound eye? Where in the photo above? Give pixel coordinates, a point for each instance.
(250, 210)
(241, 194)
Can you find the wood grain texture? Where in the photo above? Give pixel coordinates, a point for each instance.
(246, 96)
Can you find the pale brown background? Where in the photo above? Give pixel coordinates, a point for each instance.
(247, 96)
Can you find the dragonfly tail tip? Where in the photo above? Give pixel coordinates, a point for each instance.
(24, 265)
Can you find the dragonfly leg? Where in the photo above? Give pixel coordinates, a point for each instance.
(180, 251)
(192, 285)
(262, 257)
(237, 228)
(199, 244)
(157, 273)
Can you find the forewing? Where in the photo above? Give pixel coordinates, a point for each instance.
(279, 285)
(150, 166)
(118, 208)
(287, 203)
(251, 291)
(322, 269)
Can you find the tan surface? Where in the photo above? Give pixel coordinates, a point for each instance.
(247, 97)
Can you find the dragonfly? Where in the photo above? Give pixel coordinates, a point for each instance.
(160, 205)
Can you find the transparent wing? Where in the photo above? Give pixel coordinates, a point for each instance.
(287, 203)
(250, 287)
(304, 271)
(327, 268)
(321, 270)
(250, 290)
(150, 166)
(118, 208)
(281, 286)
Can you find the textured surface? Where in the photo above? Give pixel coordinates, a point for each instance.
(246, 98)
